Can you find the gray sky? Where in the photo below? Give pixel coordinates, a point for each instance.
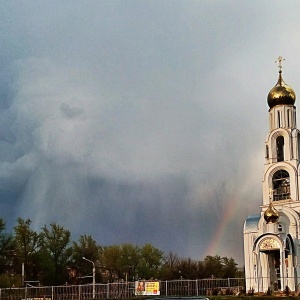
(141, 121)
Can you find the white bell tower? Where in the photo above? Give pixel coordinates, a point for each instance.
(280, 180)
(271, 238)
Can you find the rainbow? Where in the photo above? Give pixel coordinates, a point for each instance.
(215, 246)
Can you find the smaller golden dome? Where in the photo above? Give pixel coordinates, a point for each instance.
(281, 94)
(271, 215)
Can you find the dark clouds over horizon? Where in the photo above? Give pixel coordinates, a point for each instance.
(140, 121)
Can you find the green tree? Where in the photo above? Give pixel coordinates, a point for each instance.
(213, 267)
(229, 267)
(8, 281)
(55, 253)
(128, 262)
(7, 256)
(150, 262)
(111, 257)
(122, 261)
(85, 247)
(200, 269)
(220, 267)
(5, 239)
(26, 243)
(169, 269)
(188, 269)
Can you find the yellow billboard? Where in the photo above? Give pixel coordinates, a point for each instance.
(147, 288)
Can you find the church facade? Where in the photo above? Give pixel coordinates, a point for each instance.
(272, 238)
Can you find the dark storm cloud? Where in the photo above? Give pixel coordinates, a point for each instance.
(140, 121)
(71, 112)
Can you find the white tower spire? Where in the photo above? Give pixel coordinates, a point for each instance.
(272, 238)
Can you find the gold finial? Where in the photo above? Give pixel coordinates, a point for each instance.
(281, 93)
(271, 215)
(279, 60)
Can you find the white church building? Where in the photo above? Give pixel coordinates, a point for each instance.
(272, 238)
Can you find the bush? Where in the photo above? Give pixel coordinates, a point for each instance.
(287, 290)
(215, 292)
(269, 292)
(228, 291)
(8, 281)
(251, 292)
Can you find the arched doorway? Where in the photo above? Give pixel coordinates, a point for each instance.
(275, 268)
(272, 274)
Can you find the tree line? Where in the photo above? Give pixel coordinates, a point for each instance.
(49, 257)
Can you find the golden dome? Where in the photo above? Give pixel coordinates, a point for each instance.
(271, 215)
(281, 93)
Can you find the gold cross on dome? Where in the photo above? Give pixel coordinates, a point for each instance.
(279, 61)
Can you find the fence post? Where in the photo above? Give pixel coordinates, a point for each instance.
(52, 293)
(79, 292)
(107, 290)
(197, 292)
(166, 287)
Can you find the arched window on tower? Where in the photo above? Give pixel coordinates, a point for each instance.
(279, 148)
(281, 185)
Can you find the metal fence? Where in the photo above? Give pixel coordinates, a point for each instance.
(121, 290)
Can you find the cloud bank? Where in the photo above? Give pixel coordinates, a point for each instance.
(140, 121)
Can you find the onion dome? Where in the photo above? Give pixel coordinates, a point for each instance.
(271, 215)
(281, 94)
